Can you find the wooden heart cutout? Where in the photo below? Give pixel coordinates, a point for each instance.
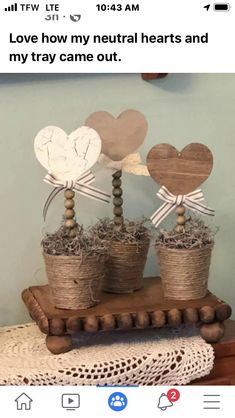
(180, 172)
(120, 136)
(67, 157)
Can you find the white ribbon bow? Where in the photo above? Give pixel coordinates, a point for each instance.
(130, 164)
(81, 185)
(191, 201)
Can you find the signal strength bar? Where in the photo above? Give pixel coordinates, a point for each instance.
(12, 8)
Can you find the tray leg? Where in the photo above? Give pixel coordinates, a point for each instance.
(212, 333)
(59, 344)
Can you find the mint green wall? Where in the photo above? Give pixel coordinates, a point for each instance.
(180, 109)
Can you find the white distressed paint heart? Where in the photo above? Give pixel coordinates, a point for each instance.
(67, 157)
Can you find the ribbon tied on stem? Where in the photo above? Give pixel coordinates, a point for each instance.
(191, 201)
(81, 186)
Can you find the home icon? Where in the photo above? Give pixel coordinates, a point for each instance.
(23, 402)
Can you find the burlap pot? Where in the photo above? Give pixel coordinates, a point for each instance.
(74, 282)
(184, 272)
(125, 266)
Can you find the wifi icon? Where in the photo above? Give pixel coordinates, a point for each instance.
(12, 8)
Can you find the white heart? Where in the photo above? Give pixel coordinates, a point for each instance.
(67, 157)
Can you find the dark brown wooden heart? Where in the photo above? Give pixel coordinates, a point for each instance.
(120, 136)
(181, 172)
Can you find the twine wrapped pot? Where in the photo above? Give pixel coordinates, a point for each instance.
(125, 266)
(184, 272)
(75, 282)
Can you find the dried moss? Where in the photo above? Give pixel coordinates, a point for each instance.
(131, 232)
(85, 243)
(195, 235)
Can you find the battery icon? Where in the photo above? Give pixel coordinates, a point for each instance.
(221, 7)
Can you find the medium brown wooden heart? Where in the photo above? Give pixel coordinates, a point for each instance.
(181, 172)
(120, 136)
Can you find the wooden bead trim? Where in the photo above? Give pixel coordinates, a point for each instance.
(91, 324)
(190, 316)
(207, 314)
(124, 321)
(209, 318)
(142, 319)
(117, 200)
(69, 203)
(73, 324)
(180, 210)
(57, 326)
(223, 312)
(108, 322)
(69, 215)
(70, 223)
(180, 220)
(116, 182)
(118, 220)
(118, 211)
(158, 319)
(117, 192)
(69, 194)
(174, 318)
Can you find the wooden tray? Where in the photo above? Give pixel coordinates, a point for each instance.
(142, 309)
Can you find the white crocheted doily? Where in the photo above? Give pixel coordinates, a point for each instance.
(137, 357)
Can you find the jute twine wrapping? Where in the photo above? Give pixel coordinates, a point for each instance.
(184, 273)
(74, 282)
(125, 266)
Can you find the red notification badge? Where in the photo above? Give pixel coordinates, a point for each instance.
(173, 395)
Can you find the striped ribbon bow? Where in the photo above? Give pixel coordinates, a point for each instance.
(81, 185)
(191, 201)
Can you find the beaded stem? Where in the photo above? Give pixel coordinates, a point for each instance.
(69, 215)
(117, 200)
(181, 219)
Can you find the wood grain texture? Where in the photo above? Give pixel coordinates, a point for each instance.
(141, 309)
(35, 310)
(149, 299)
(120, 136)
(181, 172)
